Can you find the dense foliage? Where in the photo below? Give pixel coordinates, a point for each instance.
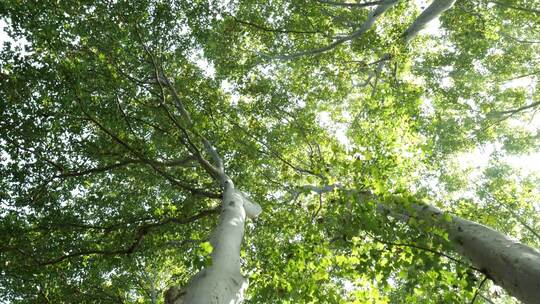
(103, 201)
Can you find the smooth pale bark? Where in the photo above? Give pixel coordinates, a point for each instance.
(222, 282)
(508, 263)
(433, 11)
(366, 25)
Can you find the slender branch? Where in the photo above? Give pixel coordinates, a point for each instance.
(519, 40)
(476, 293)
(533, 73)
(520, 109)
(124, 116)
(321, 190)
(161, 81)
(177, 100)
(155, 65)
(217, 173)
(210, 169)
(106, 228)
(141, 157)
(516, 216)
(124, 163)
(316, 213)
(351, 5)
(372, 17)
(139, 235)
(271, 152)
(273, 30)
(425, 249)
(518, 8)
(95, 170)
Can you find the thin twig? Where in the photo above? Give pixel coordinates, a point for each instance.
(478, 289)
(140, 233)
(273, 30)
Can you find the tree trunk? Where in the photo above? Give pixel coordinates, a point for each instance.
(434, 10)
(510, 264)
(222, 282)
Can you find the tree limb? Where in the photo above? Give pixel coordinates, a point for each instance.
(478, 289)
(520, 109)
(139, 235)
(425, 249)
(273, 30)
(433, 11)
(124, 163)
(372, 17)
(518, 8)
(142, 158)
(351, 5)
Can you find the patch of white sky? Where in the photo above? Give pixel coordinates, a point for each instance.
(206, 66)
(479, 158)
(3, 35)
(339, 130)
(5, 38)
(20, 44)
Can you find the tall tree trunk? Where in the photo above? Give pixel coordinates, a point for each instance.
(510, 264)
(222, 282)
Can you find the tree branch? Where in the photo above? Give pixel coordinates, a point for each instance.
(270, 152)
(124, 163)
(520, 109)
(217, 173)
(478, 289)
(272, 30)
(351, 5)
(434, 10)
(372, 17)
(141, 157)
(519, 40)
(139, 235)
(518, 8)
(425, 249)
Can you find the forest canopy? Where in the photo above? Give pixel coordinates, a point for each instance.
(338, 134)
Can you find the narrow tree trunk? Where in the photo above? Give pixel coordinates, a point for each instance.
(222, 282)
(510, 264)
